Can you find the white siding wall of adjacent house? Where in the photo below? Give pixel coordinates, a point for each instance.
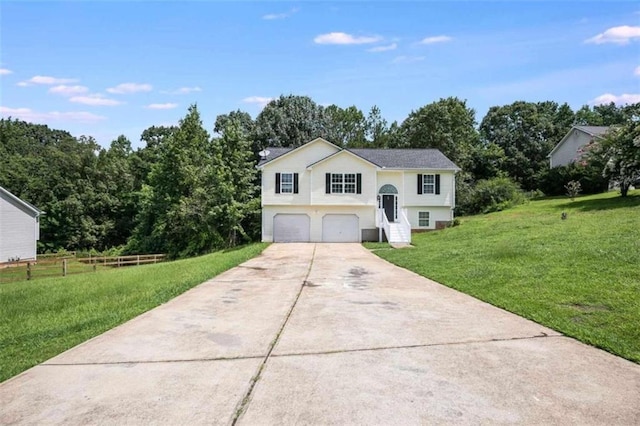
(344, 163)
(296, 162)
(18, 230)
(445, 198)
(568, 151)
(366, 218)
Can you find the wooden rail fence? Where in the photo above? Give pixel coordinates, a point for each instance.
(63, 266)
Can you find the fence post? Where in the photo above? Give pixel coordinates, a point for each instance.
(138, 264)
(28, 270)
(64, 267)
(94, 265)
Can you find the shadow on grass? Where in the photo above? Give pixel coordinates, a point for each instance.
(632, 200)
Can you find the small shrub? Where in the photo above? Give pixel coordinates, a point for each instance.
(573, 189)
(490, 195)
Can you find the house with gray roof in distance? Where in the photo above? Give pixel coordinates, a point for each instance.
(319, 192)
(568, 150)
(19, 228)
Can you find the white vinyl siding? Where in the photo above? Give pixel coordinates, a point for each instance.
(18, 231)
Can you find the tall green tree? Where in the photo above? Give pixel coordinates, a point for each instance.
(236, 203)
(377, 129)
(619, 151)
(448, 125)
(345, 127)
(173, 217)
(526, 132)
(289, 121)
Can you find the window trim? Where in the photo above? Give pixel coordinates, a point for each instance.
(426, 185)
(283, 183)
(342, 183)
(428, 219)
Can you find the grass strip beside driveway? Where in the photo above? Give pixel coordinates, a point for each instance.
(42, 318)
(579, 276)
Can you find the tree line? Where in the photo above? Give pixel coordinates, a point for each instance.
(188, 191)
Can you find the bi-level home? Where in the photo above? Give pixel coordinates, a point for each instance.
(319, 192)
(19, 228)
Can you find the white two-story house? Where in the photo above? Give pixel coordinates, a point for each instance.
(320, 192)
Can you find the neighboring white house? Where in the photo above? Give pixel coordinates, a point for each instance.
(320, 192)
(568, 149)
(19, 228)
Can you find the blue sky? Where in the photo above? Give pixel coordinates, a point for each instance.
(109, 68)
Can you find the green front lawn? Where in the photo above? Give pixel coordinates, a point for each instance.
(42, 318)
(580, 276)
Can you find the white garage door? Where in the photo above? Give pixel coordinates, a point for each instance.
(340, 228)
(291, 228)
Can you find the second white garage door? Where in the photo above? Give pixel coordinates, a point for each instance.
(340, 228)
(291, 228)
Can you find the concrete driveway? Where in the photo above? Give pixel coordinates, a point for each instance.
(326, 334)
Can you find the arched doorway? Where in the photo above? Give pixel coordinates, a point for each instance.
(389, 200)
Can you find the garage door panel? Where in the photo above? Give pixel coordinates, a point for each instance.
(340, 228)
(291, 228)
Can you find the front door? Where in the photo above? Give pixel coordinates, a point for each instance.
(389, 206)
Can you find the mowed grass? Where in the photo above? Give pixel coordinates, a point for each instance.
(579, 276)
(42, 318)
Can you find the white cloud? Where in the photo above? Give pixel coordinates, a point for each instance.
(258, 100)
(162, 106)
(407, 59)
(126, 88)
(65, 90)
(344, 39)
(94, 100)
(637, 71)
(43, 79)
(4, 71)
(272, 16)
(182, 91)
(617, 35)
(436, 39)
(625, 98)
(27, 114)
(391, 46)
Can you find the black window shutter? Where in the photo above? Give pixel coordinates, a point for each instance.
(327, 180)
(437, 184)
(277, 183)
(295, 183)
(359, 183)
(419, 183)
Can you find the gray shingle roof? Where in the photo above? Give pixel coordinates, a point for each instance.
(406, 158)
(594, 130)
(273, 154)
(388, 158)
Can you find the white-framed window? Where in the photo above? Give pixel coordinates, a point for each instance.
(423, 219)
(286, 183)
(343, 183)
(428, 184)
(350, 183)
(337, 184)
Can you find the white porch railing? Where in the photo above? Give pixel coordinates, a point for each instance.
(404, 222)
(383, 222)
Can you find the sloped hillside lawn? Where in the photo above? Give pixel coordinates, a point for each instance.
(42, 318)
(579, 276)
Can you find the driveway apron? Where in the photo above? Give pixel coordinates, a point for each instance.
(326, 334)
